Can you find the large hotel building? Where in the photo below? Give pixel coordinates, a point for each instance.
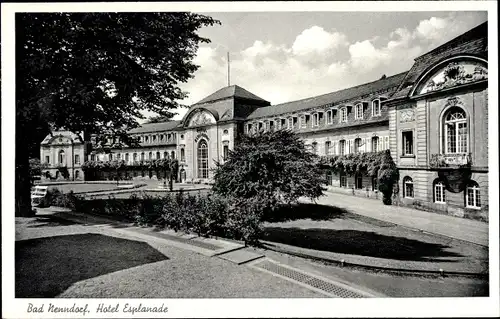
(433, 119)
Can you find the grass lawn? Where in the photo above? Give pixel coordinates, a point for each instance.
(77, 188)
(45, 267)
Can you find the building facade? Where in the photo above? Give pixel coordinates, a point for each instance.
(433, 119)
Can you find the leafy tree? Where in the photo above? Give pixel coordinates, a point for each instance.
(388, 176)
(91, 72)
(159, 119)
(36, 168)
(272, 166)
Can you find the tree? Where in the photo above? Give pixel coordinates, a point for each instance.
(95, 72)
(274, 166)
(388, 176)
(35, 169)
(159, 119)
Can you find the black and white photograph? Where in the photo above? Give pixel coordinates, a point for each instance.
(189, 160)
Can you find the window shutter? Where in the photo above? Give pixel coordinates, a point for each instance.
(368, 145)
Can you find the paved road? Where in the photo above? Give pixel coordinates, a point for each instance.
(93, 261)
(455, 227)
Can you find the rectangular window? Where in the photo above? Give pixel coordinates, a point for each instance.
(77, 159)
(92, 157)
(183, 156)
(343, 115)
(225, 152)
(295, 122)
(376, 108)
(342, 147)
(359, 182)
(47, 159)
(408, 143)
(303, 123)
(343, 180)
(328, 145)
(283, 123)
(126, 157)
(374, 183)
(329, 117)
(358, 111)
(315, 119)
(271, 126)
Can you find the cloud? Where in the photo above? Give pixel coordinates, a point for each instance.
(431, 29)
(316, 40)
(318, 61)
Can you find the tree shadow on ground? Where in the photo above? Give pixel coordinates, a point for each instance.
(362, 243)
(51, 221)
(46, 267)
(306, 211)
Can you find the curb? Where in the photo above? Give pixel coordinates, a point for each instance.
(342, 263)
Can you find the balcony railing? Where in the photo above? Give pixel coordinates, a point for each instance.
(450, 160)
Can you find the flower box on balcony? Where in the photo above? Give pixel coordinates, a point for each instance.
(450, 160)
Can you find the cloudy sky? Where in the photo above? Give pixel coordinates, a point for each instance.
(284, 56)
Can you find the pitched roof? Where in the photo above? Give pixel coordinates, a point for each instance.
(472, 42)
(228, 92)
(155, 127)
(348, 94)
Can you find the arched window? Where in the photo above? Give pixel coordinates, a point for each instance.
(172, 155)
(150, 155)
(77, 174)
(439, 192)
(183, 156)
(142, 156)
(135, 157)
(376, 107)
(110, 156)
(357, 145)
(407, 187)
(62, 157)
(165, 154)
(157, 155)
(473, 195)
(202, 159)
(375, 144)
(126, 157)
(455, 131)
(343, 115)
(342, 147)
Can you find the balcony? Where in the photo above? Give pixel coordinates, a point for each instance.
(450, 160)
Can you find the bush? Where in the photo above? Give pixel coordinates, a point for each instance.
(211, 215)
(55, 197)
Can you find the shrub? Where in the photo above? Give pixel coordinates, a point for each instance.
(272, 166)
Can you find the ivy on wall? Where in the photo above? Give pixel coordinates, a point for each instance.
(374, 164)
(92, 169)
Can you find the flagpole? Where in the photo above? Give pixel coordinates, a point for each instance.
(228, 70)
